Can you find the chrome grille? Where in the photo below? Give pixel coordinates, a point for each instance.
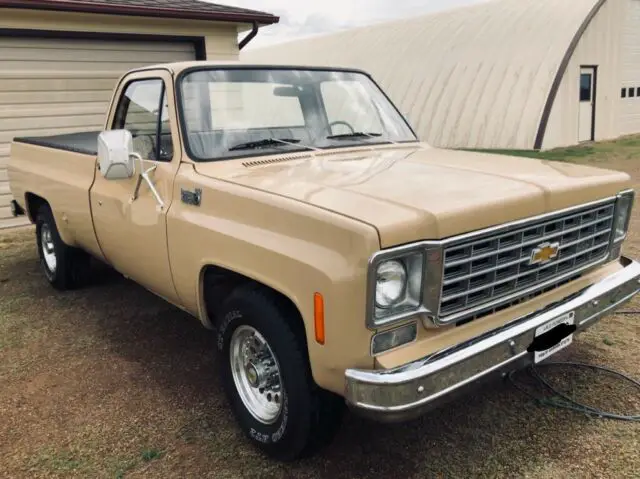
(488, 271)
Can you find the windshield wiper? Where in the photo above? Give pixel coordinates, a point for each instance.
(354, 135)
(254, 145)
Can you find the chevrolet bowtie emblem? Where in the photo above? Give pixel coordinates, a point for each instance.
(544, 253)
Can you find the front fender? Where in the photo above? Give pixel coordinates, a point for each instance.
(290, 247)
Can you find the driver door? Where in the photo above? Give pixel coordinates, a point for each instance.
(132, 229)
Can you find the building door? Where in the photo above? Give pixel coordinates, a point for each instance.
(587, 104)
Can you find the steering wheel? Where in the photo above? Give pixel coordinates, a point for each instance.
(148, 146)
(339, 122)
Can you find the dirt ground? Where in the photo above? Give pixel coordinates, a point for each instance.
(111, 381)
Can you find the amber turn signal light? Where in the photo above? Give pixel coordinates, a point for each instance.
(318, 316)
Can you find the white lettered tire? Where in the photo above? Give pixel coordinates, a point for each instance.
(267, 377)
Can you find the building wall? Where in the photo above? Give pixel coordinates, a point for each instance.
(598, 46)
(64, 85)
(629, 107)
(476, 76)
(220, 38)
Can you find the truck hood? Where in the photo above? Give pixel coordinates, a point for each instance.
(411, 193)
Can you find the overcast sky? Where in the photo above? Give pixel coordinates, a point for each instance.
(300, 18)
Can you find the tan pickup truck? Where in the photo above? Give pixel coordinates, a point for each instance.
(338, 259)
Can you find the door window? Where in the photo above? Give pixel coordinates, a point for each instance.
(586, 86)
(144, 111)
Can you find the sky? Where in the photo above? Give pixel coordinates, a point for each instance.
(300, 18)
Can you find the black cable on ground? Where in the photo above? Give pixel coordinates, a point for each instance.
(562, 401)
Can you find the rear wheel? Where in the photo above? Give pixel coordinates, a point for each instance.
(63, 266)
(268, 380)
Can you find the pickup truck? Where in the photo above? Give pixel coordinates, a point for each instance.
(337, 258)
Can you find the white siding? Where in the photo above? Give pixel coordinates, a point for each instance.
(64, 84)
(50, 86)
(630, 107)
(477, 76)
(599, 46)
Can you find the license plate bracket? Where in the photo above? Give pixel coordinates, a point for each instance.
(553, 337)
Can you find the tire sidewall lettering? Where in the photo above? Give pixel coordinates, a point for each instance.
(259, 436)
(273, 438)
(229, 318)
(260, 433)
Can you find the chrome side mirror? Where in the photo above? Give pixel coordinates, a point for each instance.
(117, 161)
(115, 154)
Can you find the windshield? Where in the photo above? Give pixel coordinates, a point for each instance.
(239, 112)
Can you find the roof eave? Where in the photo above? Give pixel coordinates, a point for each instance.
(49, 5)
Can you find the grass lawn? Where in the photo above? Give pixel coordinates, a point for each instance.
(627, 148)
(110, 381)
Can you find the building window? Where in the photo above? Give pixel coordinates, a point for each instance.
(624, 93)
(585, 86)
(638, 92)
(632, 92)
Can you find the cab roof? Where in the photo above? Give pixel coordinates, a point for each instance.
(178, 67)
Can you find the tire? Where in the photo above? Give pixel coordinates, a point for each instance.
(63, 266)
(308, 417)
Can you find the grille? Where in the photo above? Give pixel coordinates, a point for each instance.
(493, 270)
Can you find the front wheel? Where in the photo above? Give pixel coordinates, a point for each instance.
(268, 380)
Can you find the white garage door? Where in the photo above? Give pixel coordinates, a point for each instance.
(630, 93)
(53, 86)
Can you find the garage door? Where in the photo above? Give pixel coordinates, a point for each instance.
(51, 86)
(630, 93)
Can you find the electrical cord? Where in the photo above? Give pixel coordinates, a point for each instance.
(562, 401)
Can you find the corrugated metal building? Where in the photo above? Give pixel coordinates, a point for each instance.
(520, 74)
(59, 61)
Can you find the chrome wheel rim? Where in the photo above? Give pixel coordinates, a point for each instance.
(48, 249)
(256, 374)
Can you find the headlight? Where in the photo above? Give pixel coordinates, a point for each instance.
(396, 288)
(391, 284)
(622, 217)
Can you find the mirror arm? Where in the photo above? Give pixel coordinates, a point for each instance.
(136, 156)
(152, 187)
(144, 175)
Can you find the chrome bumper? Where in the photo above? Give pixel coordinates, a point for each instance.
(412, 389)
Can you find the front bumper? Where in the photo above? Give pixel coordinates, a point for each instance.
(411, 390)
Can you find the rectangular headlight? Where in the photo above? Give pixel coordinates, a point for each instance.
(622, 216)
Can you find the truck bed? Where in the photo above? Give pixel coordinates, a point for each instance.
(85, 142)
